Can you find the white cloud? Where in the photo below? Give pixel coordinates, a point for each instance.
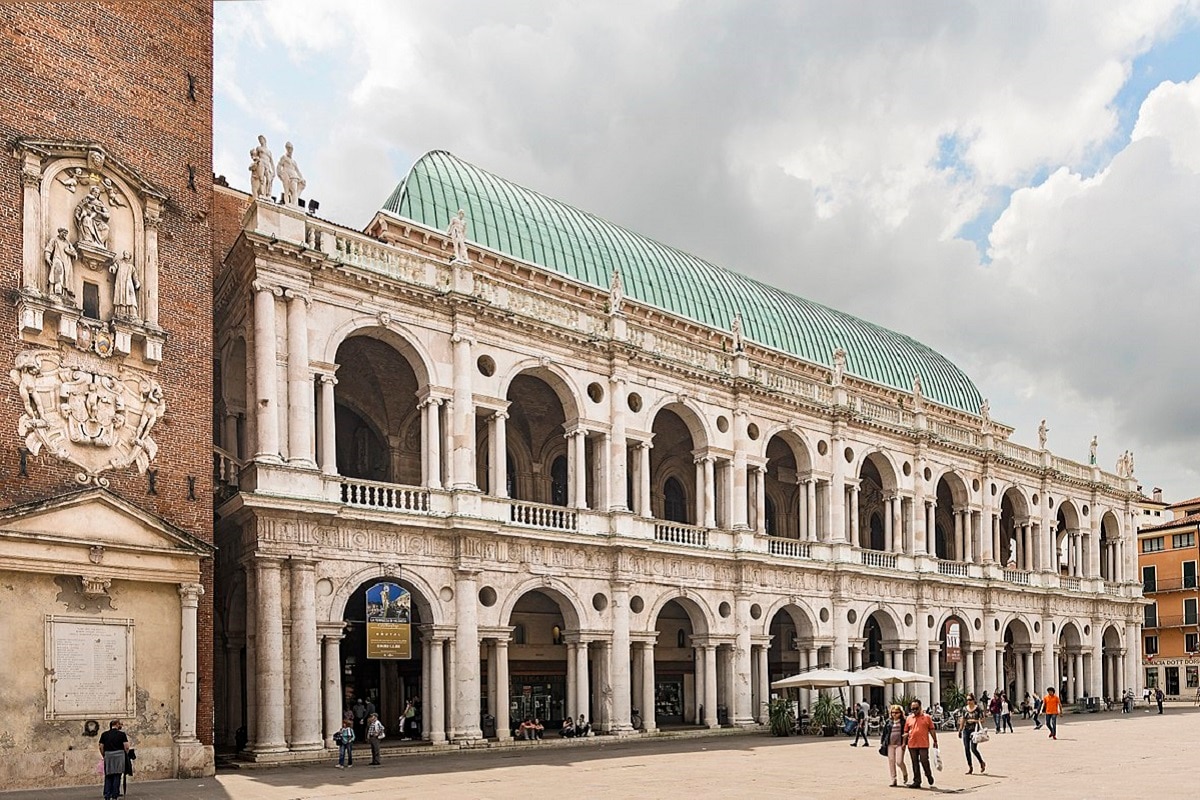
(1172, 113)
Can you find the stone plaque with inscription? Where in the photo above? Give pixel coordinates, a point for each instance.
(89, 668)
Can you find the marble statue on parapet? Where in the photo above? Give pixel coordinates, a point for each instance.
(60, 261)
(262, 170)
(1123, 465)
(125, 286)
(839, 366)
(985, 413)
(616, 293)
(458, 236)
(918, 394)
(1129, 461)
(91, 220)
(291, 177)
(735, 328)
(1092, 450)
(1043, 432)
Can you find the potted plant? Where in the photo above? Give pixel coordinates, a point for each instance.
(827, 712)
(953, 698)
(779, 713)
(904, 701)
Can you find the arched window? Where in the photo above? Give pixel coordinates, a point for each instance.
(674, 501)
(558, 481)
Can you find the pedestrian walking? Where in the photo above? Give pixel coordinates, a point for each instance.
(1158, 698)
(409, 720)
(1052, 705)
(994, 710)
(1005, 715)
(970, 728)
(345, 742)
(1037, 713)
(919, 733)
(891, 743)
(375, 734)
(114, 745)
(859, 723)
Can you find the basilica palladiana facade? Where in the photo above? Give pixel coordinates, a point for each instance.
(616, 480)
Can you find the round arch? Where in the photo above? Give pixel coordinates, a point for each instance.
(1021, 630)
(803, 618)
(689, 413)
(1017, 499)
(573, 612)
(416, 584)
(959, 491)
(402, 339)
(552, 375)
(1069, 513)
(884, 465)
(697, 611)
(1069, 634)
(889, 625)
(963, 617)
(796, 440)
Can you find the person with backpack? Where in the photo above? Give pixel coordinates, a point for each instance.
(375, 734)
(345, 742)
(1158, 698)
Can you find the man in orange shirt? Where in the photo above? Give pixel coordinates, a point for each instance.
(1052, 705)
(918, 731)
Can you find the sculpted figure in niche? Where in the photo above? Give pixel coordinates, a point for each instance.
(458, 235)
(262, 169)
(125, 286)
(91, 220)
(289, 175)
(60, 258)
(839, 366)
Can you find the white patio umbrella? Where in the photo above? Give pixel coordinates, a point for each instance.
(827, 679)
(889, 675)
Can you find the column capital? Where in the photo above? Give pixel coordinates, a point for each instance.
(331, 630)
(263, 286)
(295, 294)
(459, 337)
(327, 377)
(500, 415)
(267, 561)
(431, 401)
(578, 430)
(302, 564)
(704, 459)
(190, 594)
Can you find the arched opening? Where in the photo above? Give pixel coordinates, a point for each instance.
(1071, 678)
(955, 659)
(874, 523)
(1112, 676)
(541, 458)
(785, 489)
(385, 684)
(1019, 673)
(672, 460)
(678, 665)
(1069, 541)
(1016, 532)
(953, 520)
(378, 426)
(880, 649)
(541, 673)
(1110, 536)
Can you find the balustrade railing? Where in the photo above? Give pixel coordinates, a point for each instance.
(1069, 583)
(784, 383)
(385, 496)
(1112, 589)
(226, 469)
(1070, 468)
(1020, 453)
(874, 558)
(1017, 576)
(792, 548)
(537, 515)
(956, 433)
(955, 568)
(675, 533)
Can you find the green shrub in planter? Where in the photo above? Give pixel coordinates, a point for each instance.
(827, 712)
(782, 719)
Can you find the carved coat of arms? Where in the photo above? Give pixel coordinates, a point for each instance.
(85, 413)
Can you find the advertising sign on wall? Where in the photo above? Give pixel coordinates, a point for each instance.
(953, 642)
(389, 622)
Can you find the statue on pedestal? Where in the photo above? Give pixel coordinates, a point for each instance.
(262, 170)
(1043, 432)
(839, 366)
(60, 259)
(458, 236)
(91, 220)
(290, 176)
(125, 286)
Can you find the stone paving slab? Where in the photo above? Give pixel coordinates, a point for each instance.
(1096, 756)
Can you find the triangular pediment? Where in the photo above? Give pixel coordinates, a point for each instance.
(99, 517)
(57, 148)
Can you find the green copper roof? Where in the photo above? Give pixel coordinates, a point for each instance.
(521, 223)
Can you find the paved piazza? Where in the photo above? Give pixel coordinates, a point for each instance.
(1104, 756)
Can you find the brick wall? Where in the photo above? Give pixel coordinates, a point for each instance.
(117, 74)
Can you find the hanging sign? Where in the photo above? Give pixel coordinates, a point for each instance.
(389, 622)
(953, 642)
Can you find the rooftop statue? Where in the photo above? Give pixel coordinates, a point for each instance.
(290, 176)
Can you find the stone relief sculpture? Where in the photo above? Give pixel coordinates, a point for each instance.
(86, 415)
(839, 366)
(458, 236)
(125, 286)
(60, 261)
(1043, 433)
(290, 176)
(262, 170)
(91, 220)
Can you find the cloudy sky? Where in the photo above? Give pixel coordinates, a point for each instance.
(1015, 184)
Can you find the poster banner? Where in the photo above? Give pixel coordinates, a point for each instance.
(389, 622)
(953, 642)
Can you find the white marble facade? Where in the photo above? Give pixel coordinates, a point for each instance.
(598, 509)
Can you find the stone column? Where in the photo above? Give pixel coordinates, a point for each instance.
(189, 601)
(710, 686)
(34, 234)
(741, 705)
(649, 722)
(760, 498)
(837, 486)
(466, 657)
(644, 506)
(617, 447)
(581, 681)
(764, 685)
(333, 698)
(503, 724)
(855, 533)
(572, 678)
(152, 216)
(959, 538)
(268, 689)
(738, 512)
(431, 443)
(435, 700)
(300, 383)
(577, 468)
(229, 435)
(710, 492)
(810, 487)
(922, 655)
(619, 667)
(889, 530)
(930, 528)
(1077, 676)
(251, 666)
(328, 424)
(499, 433)
(305, 699)
(266, 373)
(463, 423)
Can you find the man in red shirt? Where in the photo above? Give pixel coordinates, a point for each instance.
(919, 731)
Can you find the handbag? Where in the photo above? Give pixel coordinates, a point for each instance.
(883, 749)
(980, 734)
